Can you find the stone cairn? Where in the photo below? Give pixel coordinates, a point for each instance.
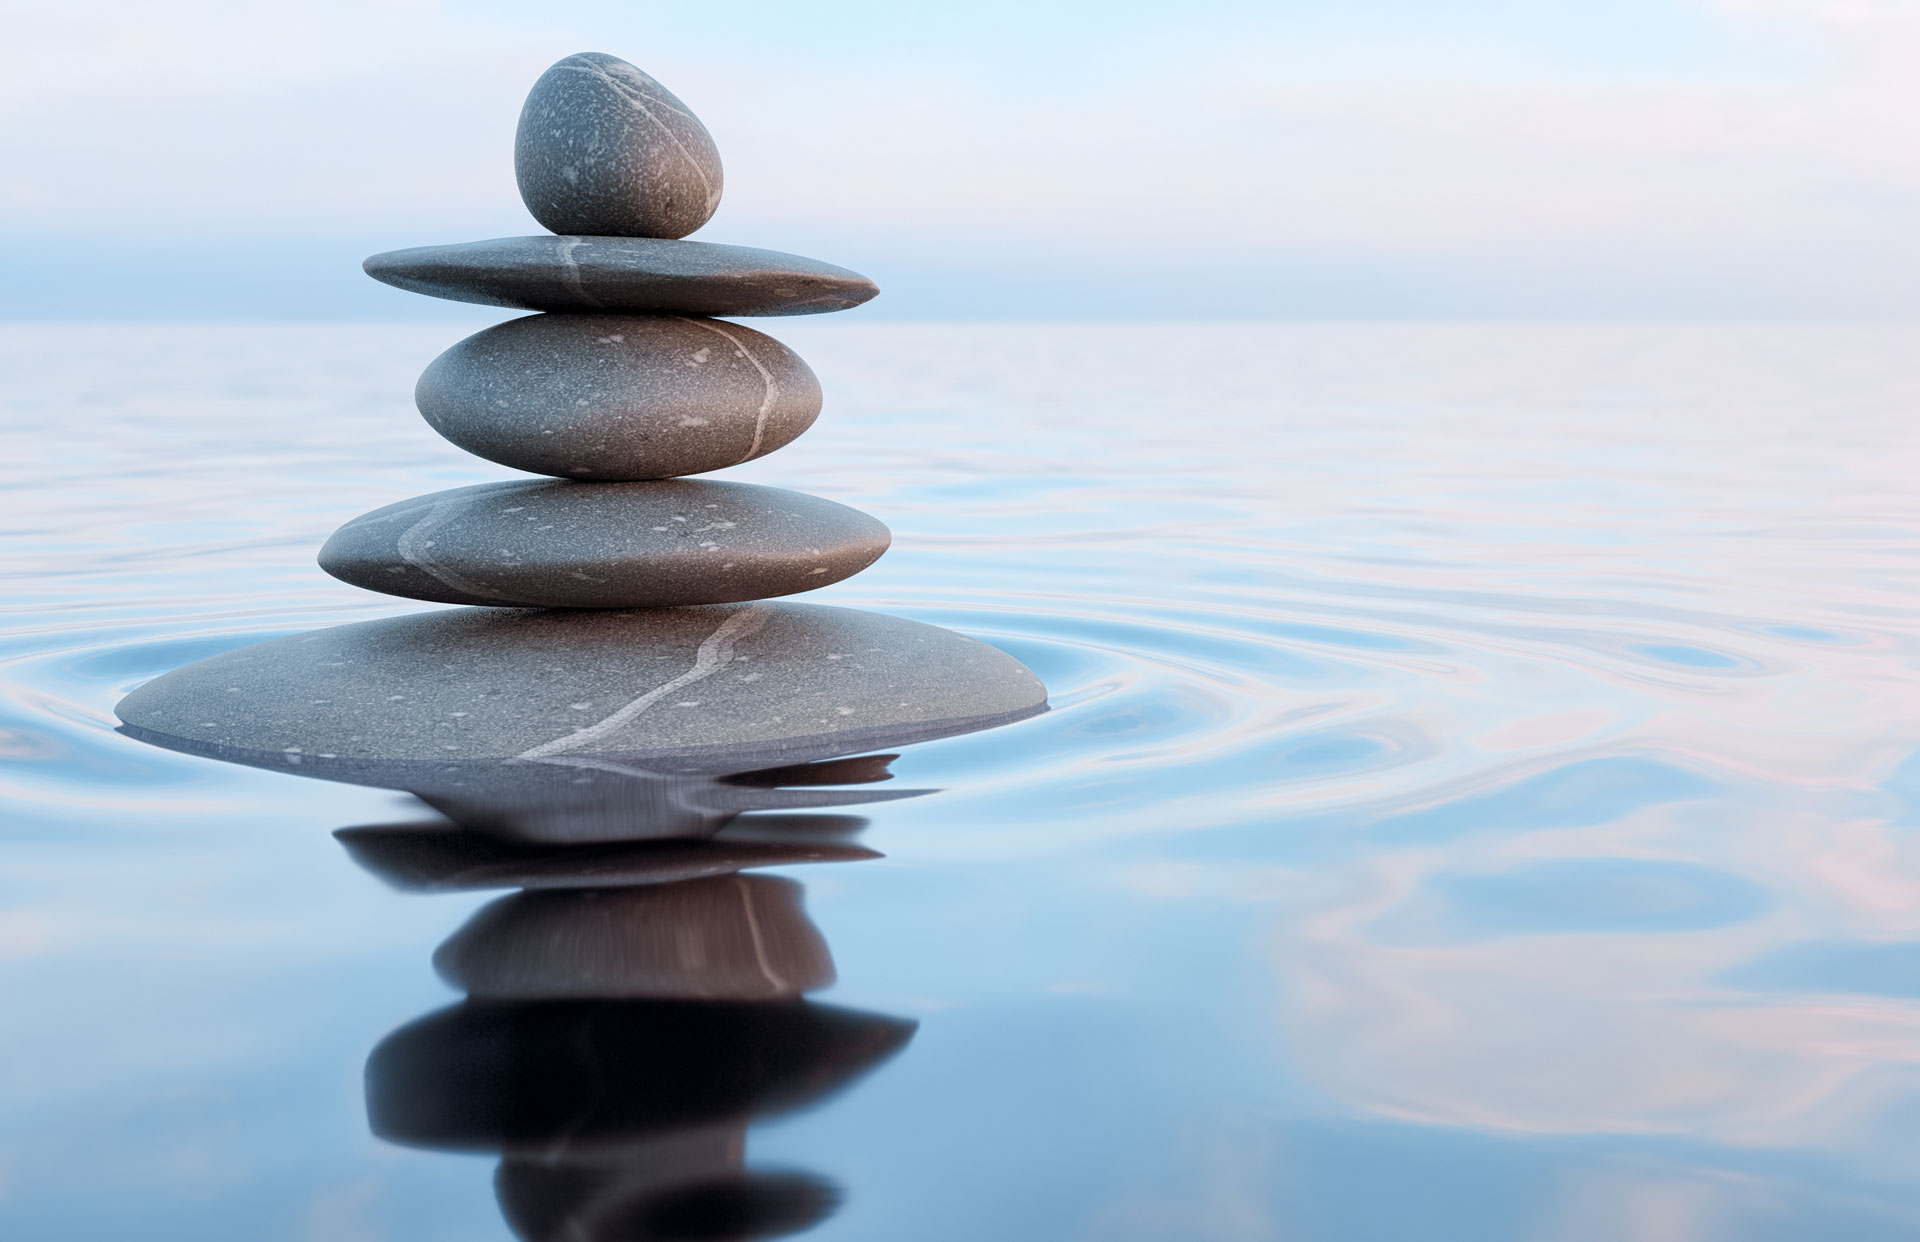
(622, 693)
(617, 1043)
(627, 641)
(623, 385)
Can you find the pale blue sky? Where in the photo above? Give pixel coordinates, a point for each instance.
(1373, 158)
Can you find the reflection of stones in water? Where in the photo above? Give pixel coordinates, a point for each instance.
(726, 938)
(630, 1012)
(503, 1076)
(627, 1118)
(536, 804)
(626, 1023)
(431, 858)
(692, 1184)
(509, 802)
(566, 727)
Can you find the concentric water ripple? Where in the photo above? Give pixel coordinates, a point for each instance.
(1483, 765)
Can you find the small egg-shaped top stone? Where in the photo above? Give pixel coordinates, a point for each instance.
(604, 150)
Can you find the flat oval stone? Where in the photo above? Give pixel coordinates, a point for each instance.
(604, 149)
(543, 543)
(618, 396)
(412, 701)
(643, 274)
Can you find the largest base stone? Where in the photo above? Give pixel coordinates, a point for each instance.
(568, 726)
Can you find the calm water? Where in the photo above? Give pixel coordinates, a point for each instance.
(1482, 799)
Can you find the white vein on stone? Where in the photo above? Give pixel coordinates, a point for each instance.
(598, 763)
(570, 270)
(413, 544)
(636, 100)
(713, 655)
(766, 376)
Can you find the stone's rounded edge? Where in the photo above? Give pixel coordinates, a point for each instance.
(372, 551)
(603, 148)
(340, 558)
(389, 268)
(691, 761)
(623, 275)
(541, 393)
(369, 575)
(927, 683)
(554, 755)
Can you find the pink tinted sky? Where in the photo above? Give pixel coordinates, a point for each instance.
(1657, 158)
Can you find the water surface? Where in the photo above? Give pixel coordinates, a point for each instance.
(1480, 799)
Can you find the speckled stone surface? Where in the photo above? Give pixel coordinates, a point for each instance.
(716, 689)
(602, 148)
(728, 938)
(632, 274)
(610, 397)
(548, 544)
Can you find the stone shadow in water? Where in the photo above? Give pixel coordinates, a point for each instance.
(618, 1041)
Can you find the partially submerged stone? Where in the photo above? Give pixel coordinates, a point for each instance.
(612, 397)
(604, 148)
(548, 544)
(623, 274)
(574, 726)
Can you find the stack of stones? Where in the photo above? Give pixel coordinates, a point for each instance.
(624, 385)
(627, 636)
(623, 1027)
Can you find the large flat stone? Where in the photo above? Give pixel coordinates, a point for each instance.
(613, 397)
(542, 543)
(603, 148)
(545, 726)
(630, 274)
(720, 689)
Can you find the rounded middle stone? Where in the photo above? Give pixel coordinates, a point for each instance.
(618, 397)
(547, 544)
